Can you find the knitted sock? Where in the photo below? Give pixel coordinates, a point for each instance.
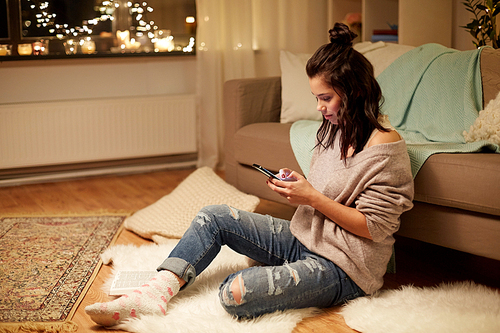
(151, 298)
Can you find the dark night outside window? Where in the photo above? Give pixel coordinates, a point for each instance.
(115, 27)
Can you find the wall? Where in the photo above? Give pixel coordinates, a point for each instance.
(57, 80)
(440, 24)
(425, 21)
(297, 26)
(460, 38)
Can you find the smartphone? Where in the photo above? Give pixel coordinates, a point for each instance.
(265, 171)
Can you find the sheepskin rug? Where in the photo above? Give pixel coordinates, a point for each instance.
(196, 309)
(449, 308)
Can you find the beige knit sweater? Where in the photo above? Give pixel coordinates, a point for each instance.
(377, 182)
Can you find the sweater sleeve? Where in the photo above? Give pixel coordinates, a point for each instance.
(386, 197)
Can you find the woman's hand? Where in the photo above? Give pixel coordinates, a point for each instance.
(298, 191)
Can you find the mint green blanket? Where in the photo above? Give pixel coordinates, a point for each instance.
(432, 95)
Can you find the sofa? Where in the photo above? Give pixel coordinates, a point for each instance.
(457, 196)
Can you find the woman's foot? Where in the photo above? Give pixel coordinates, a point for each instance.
(151, 298)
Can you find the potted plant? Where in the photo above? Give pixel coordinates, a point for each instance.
(483, 26)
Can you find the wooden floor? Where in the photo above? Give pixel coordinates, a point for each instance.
(418, 263)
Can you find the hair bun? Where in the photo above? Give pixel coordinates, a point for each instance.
(340, 34)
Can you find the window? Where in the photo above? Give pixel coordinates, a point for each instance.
(86, 28)
(4, 21)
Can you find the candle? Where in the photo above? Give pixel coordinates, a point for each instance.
(133, 45)
(123, 38)
(70, 47)
(164, 41)
(88, 47)
(24, 49)
(190, 25)
(38, 48)
(164, 44)
(5, 50)
(45, 47)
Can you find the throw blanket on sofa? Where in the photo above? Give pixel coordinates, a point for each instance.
(303, 139)
(432, 94)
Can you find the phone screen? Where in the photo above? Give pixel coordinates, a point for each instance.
(265, 171)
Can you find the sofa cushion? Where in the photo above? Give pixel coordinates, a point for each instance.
(465, 181)
(267, 144)
(297, 102)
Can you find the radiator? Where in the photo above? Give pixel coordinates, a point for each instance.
(78, 131)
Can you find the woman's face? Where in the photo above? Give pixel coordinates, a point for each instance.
(329, 101)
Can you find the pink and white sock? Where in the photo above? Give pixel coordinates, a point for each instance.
(151, 298)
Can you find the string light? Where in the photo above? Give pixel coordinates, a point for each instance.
(190, 46)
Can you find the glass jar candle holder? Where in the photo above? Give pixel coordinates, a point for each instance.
(88, 46)
(40, 48)
(123, 38)
(5, 50)
(24, 49)
(164, 41)
(70, 47)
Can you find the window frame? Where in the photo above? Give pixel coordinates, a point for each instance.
(15, 38)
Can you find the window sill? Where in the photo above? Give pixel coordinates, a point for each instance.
(96, 55)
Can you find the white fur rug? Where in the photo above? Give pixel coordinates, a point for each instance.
(197, 308)
(450, 308)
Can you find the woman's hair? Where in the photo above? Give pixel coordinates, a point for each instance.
(350, 74)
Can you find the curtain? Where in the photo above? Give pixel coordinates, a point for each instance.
(242, 39)
(224, 41)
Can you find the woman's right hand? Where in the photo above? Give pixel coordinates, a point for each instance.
(298, 191)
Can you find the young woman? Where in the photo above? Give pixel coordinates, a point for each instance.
(339, 241)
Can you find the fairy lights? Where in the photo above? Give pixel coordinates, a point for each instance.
(190, 46)
(140, 21)
(47, 19)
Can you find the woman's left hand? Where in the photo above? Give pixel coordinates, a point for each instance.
(298, 191)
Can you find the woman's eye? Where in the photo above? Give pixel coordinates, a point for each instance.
(324, 99)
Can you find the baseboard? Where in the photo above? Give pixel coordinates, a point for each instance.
(54, 173)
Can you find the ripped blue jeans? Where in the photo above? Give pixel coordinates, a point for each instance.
(292, 276)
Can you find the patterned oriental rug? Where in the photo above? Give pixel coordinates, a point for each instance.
(47, 265)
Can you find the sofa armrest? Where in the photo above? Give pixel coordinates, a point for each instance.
(247, 101)
(490, 74)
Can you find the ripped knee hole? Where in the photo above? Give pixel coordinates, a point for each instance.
(238, 289)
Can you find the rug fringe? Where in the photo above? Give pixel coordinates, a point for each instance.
(37, 327)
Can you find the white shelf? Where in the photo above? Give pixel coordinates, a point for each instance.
(377, 15)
